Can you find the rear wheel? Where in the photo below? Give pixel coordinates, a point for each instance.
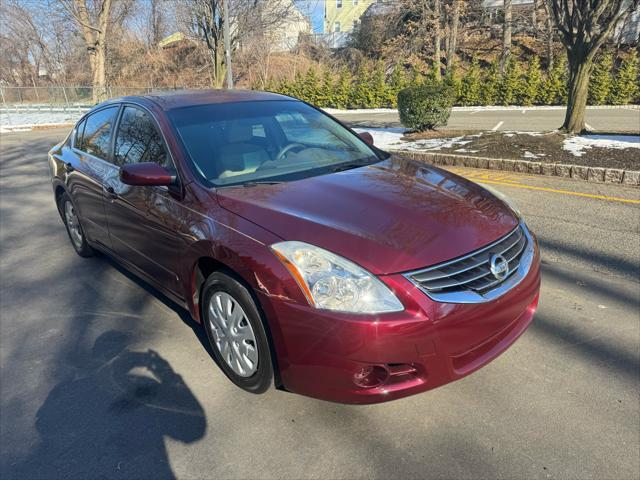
(236, 333)
(74, 229)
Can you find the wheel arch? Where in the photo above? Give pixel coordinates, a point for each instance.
(58, 191)
(204, 266)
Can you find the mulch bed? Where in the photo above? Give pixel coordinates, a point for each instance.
(538, 147)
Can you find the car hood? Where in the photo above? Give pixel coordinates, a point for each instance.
(393, 216)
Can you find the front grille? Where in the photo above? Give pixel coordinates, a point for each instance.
(472, 273)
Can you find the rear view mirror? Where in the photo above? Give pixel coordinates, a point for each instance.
(367, 137)
(146, 174)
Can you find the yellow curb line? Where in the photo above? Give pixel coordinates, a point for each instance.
(565, 192)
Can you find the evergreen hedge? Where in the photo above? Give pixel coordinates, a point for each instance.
(374, 86)
(426, 106)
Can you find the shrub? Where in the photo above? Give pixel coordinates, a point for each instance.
(425, 107)
(532, 81)
(379, 87)
(601, 82)
(624, 85)
(555, 84)
(342, 90)
(396, 83)
(362, 95)
(490, 85)
(470, 88)
(325, 97)
(455, 82)
(511, 85)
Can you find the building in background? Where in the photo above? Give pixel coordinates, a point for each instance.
(340, 18)
(286, 33)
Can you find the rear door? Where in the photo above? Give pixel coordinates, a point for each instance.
(144, 222)
(88, 168)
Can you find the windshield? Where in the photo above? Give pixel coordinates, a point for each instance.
(236, 143)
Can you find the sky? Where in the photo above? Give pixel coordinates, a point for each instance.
(314, 9)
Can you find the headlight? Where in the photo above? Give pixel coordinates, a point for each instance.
(334, 283)
(508, 200)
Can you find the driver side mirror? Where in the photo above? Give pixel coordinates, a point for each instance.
(367, 137)
(146, 174)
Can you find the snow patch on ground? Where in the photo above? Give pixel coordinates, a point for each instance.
(578, 144)
(14, 122)
(390, 138)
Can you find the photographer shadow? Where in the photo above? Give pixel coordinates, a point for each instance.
(110, 419)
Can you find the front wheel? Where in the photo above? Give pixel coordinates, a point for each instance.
(236, 333)
(74, 229)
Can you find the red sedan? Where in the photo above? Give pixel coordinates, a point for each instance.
(312, 259)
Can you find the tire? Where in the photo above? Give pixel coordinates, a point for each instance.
(74, 229)
(237, 336)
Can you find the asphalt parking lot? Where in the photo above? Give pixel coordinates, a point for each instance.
(563, 402)
(616, 119)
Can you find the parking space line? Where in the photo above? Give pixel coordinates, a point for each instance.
(589, 127)
(484, 175)
(562, 192)
(497, 126)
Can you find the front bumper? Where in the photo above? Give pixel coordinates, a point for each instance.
(425, 346)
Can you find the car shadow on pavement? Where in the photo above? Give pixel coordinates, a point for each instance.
(110, 419)
(184, 315)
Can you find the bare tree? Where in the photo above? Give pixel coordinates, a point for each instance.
(26, 54)
(93, 19)
(437, 37)
(506, 35)
(453, 32)
(550, 33)
(156, 21)
(249, 19)
(584, 25)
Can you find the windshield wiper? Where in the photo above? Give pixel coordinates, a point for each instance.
(254, 183)
(349, 165)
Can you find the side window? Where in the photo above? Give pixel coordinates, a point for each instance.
(138, 140)
(97, 132)
(77, 142)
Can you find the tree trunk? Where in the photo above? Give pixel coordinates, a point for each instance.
(95, 37)
(453, 33)
(436, 42)
(506, 35)
(99, 74)
(580, 66)
(550, 30)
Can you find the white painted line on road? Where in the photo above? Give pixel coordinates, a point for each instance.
(524, 111)
(474, 112)
(589, 127)
(498, 125)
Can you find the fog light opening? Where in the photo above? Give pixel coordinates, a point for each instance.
(370, 376)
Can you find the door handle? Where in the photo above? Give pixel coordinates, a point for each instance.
(111, 193)
(68, 167)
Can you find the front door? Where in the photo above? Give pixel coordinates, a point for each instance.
(144, 222)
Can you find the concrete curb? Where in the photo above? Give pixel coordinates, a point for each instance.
(579, 172)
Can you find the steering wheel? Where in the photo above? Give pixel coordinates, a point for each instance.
(284, 150)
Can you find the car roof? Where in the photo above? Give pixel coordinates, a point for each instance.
(173, 99)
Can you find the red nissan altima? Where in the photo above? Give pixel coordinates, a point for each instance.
(312, 259)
